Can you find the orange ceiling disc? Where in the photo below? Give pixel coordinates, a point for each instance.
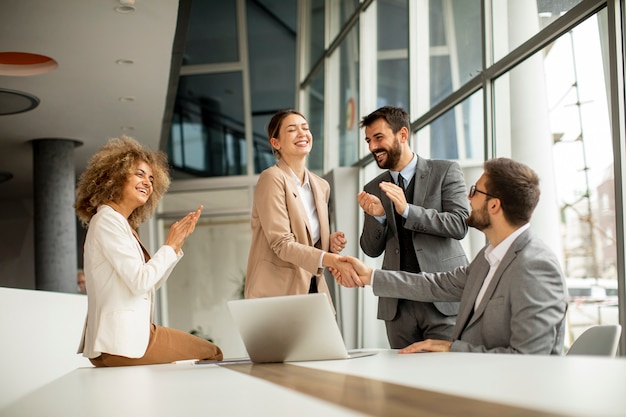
(25, 64)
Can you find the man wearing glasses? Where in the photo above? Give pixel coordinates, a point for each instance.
(513, 295)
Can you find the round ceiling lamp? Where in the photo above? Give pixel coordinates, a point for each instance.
(23, 64)
(13, 102)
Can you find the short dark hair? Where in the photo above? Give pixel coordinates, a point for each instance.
(396, 117)
(517, 187)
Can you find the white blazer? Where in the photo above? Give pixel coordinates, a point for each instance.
(120, 287)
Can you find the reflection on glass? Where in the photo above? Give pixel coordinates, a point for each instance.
(341, 10)
(558, 118)
(263, 155)
(348, 98)
(207, 134)
(393, 56)
(315, 35)
(457, 134)
(514, 21)
(454, 54)
(212, 33)
(271, 56)
(315, 117)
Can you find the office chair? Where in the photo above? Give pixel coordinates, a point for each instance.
(599, 340)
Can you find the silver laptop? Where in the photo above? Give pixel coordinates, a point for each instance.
(290, 328)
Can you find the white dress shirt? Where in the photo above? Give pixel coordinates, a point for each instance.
(306, 193)
(494, 256)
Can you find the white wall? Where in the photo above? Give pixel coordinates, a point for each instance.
(17, 249)
(40, 332)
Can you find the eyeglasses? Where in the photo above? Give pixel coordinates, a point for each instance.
(473, 190)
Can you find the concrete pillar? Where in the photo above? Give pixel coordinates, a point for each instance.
(531, 138)
(54, 182)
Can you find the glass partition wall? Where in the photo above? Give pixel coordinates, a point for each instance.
(528, 80)
(537, 81)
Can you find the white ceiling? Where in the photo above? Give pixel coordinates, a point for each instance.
(80, 100)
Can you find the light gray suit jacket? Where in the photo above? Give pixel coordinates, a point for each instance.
(522, 311)
(437, 218)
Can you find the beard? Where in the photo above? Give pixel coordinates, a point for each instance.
(479, 219)
(393, 156)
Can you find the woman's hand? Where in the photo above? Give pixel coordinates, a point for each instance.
(180, 230)
(337, 242)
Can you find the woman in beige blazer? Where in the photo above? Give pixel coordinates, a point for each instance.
(291, 239)
(120, 188)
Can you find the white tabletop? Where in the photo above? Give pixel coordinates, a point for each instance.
(571, 386)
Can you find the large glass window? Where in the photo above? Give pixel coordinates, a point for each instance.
(272, 58)
(348, 128)
(454, 52)
(212, 34)
(207, 131)
(315, 117)
(457, 134)
(393, 53)
(314, 38)
(340, 12)
(552, 113)
(514, 21)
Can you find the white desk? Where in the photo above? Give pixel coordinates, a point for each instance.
(478, 384)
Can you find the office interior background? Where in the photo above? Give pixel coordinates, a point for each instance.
(539, 81)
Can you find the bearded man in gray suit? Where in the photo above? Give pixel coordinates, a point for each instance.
(415, 213)
(513, 295)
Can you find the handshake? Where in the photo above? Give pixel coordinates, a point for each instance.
(350, 272)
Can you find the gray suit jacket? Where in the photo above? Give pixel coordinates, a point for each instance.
(437, 218)
(522, 311)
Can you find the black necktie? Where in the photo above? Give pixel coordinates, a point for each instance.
(401, 181)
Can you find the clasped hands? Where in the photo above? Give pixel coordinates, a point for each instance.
(345, 278)
(350, 272)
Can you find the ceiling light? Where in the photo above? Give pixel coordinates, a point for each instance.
(13, 102)
(125, 62)
(126, 6)
(126, 98)
(25, 64)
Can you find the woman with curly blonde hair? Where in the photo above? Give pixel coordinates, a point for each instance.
(121, 188)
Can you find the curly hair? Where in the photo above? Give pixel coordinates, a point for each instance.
(107, 172)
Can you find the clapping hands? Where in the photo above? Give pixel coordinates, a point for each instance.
(180, 230)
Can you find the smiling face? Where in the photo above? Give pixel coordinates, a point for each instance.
(138, 187)
(294, 139)
(385, 146)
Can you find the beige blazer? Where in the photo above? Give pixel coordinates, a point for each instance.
(120, 287)
(282, 256)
